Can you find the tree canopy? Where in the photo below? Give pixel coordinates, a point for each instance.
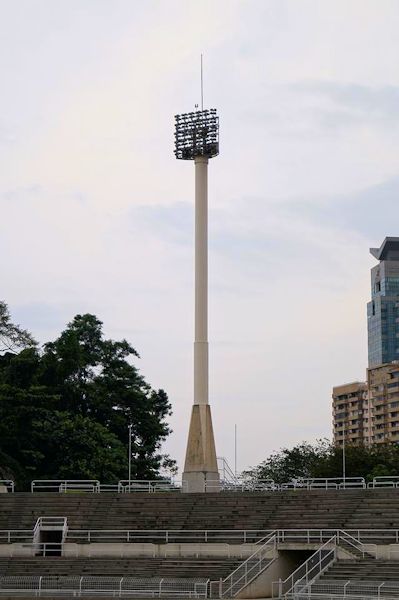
(12, 337)
(65, 410)
(323, 459)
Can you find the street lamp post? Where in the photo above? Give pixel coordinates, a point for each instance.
(130, 453)
(343, 453)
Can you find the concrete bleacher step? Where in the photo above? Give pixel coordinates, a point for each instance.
(121, 567)
(349, 509)
(362, 570)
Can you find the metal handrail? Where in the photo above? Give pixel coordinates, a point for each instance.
(150, 486)
(229, 482)
(63, 485)
(308, 570)
(226, 473)
(9, 484)
(343, 537)
(385, 481)
(326, 483)
(247, 570)
(245, 536)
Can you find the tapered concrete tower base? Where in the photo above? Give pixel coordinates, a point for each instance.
(200, 469)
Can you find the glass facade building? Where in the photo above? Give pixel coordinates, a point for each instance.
(383, 309)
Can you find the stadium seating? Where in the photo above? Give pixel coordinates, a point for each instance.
(128, 567)
(362, 570)
(348, 509)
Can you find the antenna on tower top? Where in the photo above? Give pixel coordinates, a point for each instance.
(202, 87)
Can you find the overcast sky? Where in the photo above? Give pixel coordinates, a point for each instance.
(97, 215)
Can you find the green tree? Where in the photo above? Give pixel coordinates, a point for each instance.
(291, 463)
(65, 410)
(12, 337)
(323, 459)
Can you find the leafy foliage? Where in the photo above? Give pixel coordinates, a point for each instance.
(12, 337)
(65, 410)
(323, 459)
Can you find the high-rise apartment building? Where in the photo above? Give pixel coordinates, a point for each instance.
(351, 414)
(383, 310)
(383, 388)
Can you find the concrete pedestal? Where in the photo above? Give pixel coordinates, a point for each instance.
(200, 469)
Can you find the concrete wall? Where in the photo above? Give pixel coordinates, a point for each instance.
(115, 550)
(105, 549)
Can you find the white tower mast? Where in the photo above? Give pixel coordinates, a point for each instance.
(197, 139)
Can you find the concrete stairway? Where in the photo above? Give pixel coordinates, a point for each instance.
(365, 570)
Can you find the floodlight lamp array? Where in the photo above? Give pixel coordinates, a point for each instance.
(197, 134)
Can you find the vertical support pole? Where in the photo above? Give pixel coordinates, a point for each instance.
(130, 454)
(343, 455)
(201, 392)
(235, 451)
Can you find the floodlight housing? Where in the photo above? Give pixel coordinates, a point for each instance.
(197, 134)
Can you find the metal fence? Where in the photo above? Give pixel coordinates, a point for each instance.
(384, 481)
(179, 536)
(233, 536)
(228, 483)
(65, 485)
(152, 486)
(115, 586)
(348, 589)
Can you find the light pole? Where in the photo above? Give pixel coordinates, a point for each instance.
(343, 452)
(235, 451)
(197, 139)
(130, 453)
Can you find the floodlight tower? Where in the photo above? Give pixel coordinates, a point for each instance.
(197, 139)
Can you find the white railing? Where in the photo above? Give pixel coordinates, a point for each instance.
(39, 549)
(226, 473)
(325, 483)
(347, 589)
(307, 571)
(246, 571)
(50, 523)
(109, 487)
(58, 524)
(178, 536)
(65, 485)
(228, 482)
(150, 486)
(353, 545)
(11, 536)
(384, 481)
(259, 485)
(368, 537)
(109, 586)
(8, 484)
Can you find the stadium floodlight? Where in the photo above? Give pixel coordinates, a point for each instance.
(197, 134)
(197, 139)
